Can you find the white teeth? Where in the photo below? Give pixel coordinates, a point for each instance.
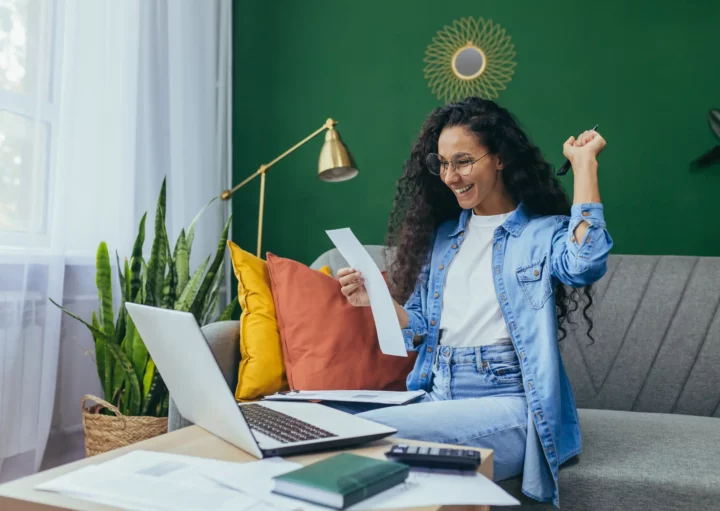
(462, 190)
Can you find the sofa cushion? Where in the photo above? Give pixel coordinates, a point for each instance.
(657, 338)
(634, 460)
(261, 370)
(327, 343)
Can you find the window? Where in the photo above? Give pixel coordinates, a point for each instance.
(29, 65)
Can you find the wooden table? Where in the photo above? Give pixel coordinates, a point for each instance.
(20, 495)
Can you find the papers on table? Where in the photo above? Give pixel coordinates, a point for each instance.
(381, 397)
(435, 489)
(383, 310)
(145, 480)
(422, 488)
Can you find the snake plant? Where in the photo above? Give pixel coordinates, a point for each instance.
(127, 373)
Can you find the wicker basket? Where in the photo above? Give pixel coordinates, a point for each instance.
(105, 432)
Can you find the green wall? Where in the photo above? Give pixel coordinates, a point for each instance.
(646, 71)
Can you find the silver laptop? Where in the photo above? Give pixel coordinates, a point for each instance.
(198, 387)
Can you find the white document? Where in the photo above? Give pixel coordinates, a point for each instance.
(144, 480)
(255, 480)
(383, 310)
(422, 488)
(381, 397)
(436, 489)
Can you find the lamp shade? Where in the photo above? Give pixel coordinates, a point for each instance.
(335, 163)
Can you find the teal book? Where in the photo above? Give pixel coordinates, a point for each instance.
(341, 480)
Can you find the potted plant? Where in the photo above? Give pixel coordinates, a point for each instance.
(135, 399)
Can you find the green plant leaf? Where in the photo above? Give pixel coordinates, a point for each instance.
(213, 296)
(126, 367)
(139, 356)
(158, 255)
(186, 298)
(121, 324)
(126, 346)
(155, 395)
(199, 301)
(127, 343)
(211, 309)
(148, 376)
(100, 357)
(109, 370)
(170, 286)
(165, 406)
(103, 280)
(118, 386)
(228, 312)
(143, 288)
(128, 291)
(191, 229)
(182, 262)
(116, 354)
(136, 262)
(121, 276)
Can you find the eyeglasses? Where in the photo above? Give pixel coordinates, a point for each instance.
(462, 163)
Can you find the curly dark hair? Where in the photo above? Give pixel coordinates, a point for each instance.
(423, 201)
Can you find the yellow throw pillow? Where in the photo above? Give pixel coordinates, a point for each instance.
(261, 371)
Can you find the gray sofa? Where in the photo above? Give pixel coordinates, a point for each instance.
(647, 389)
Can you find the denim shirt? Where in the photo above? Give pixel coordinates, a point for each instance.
(530, 255)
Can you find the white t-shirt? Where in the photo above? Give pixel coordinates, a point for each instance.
(471, 314)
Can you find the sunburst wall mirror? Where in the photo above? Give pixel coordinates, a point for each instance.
(471, 57)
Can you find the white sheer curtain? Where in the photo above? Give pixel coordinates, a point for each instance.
(99, 101)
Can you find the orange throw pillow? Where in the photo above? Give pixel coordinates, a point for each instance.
(327, 343)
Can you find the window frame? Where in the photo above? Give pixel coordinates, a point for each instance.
(45, 111)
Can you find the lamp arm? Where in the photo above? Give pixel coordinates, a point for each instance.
(264, 167)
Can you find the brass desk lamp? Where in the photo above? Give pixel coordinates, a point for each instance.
(334, 165)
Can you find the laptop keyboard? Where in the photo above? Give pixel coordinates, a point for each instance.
(280, 426)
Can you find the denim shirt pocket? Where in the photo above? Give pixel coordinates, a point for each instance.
(535, 281)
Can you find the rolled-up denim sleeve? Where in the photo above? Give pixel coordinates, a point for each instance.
(579, 264)
(415, 308)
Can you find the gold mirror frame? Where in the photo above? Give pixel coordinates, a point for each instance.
(468, 46)
(490, 40)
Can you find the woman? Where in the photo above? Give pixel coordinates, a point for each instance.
(485, 240)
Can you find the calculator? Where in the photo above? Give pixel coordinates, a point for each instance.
(434, 457)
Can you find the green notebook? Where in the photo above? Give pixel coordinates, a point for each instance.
(342, 480)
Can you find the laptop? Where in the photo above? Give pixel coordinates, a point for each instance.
(201, 393)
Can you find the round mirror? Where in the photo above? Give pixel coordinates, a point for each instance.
(468, 62)
(473, 57)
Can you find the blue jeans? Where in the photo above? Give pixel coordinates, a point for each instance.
(477, 399)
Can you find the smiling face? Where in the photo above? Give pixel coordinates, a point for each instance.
(482, 190)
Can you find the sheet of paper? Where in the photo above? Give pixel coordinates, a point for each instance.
(383, 310)
(436, 489)
(144, 480)
(422, 488)
(255, 479)
(385, 397)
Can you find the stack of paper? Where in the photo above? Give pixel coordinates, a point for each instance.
(380, 397)
(422, 488)
(145, 480)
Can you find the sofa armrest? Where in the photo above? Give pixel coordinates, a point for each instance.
(224, 340)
